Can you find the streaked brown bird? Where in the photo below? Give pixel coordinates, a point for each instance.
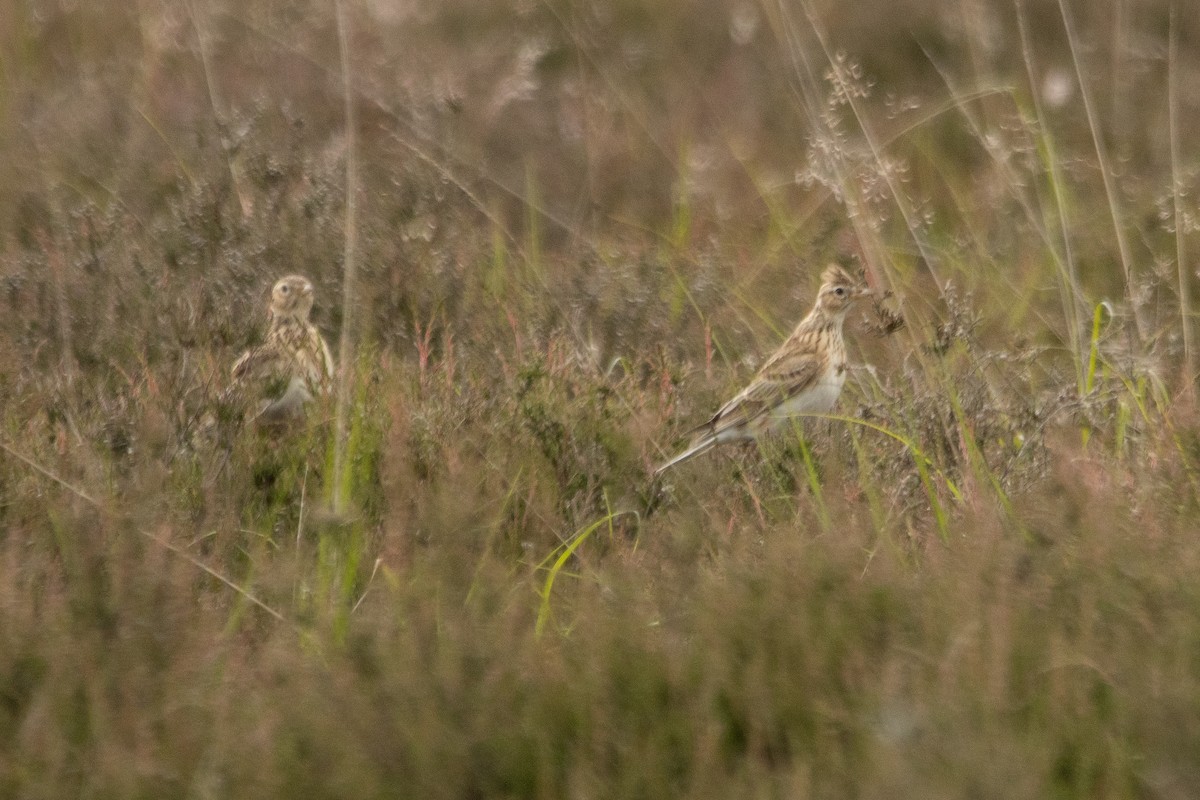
(804, 376)
(293, 366)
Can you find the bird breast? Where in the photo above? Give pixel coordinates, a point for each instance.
(818, 399)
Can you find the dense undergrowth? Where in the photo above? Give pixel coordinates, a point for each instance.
(579, 227)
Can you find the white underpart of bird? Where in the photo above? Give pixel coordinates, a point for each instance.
(292, 401)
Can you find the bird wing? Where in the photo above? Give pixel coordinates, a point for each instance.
(268, 367)
(793, 368)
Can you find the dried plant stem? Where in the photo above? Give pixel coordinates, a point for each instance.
(1181, 264)
(1110, 191)
(1074, 306)
(349, 271)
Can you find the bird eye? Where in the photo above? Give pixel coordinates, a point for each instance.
(839, 291)
(285, 289)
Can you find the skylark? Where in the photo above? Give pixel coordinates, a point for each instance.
(804, 376)
(293, 365)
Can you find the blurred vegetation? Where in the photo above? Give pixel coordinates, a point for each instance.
(580, 225)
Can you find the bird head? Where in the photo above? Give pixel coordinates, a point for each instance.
(839, 291)
(292, 297)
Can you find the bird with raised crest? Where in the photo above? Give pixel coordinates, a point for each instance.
(804, 376)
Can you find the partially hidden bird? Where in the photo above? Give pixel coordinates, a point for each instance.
(804, 376)
(293, 365)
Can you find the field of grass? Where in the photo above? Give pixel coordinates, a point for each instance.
(548, 238)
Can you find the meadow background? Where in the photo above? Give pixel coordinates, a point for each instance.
(576, 227)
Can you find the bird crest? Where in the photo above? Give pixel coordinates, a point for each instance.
(837, 276)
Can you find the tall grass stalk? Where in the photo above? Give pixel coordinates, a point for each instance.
(534, 265)
(1106, 175)
(345, 382)
(1073, 301)
(1093, 359)
(1181, 262)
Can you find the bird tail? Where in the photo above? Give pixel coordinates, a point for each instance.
(699, 446)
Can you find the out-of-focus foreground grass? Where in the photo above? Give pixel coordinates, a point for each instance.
(579, 226)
